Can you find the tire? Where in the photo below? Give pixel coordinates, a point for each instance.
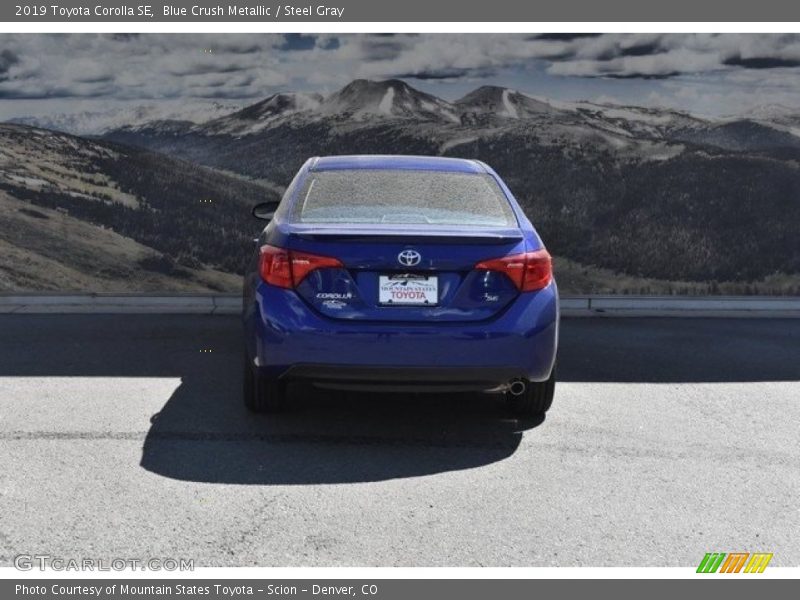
(261, 395)
(537, 398)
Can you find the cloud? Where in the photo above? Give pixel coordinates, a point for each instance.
(641, 49)
(621, 56)
(650, 56)
(7, 60)
(143, 66)
(298, 41)
(135, 67)
(122, 37)
(762, 62)
(564, 37)
(446, 74)
(385, 47)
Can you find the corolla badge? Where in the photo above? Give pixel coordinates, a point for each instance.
(409, 258)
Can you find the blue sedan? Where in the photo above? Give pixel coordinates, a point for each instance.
(399, 273)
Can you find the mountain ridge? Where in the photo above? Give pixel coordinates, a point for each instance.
(651, 195)
(641, 191)
(364, 99)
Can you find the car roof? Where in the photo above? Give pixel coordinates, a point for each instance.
(397, 162)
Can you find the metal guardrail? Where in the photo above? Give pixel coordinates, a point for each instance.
(682, 306)
(121, 303)
(571, 306)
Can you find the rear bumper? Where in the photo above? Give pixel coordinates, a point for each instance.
(289, 340)
(403, 379)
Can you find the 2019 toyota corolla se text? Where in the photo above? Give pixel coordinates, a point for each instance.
(399, 273)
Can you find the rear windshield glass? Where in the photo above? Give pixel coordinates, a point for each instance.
(403, 196)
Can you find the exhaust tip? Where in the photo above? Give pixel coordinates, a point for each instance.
(517, 387)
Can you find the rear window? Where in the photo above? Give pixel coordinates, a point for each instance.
(397, 197)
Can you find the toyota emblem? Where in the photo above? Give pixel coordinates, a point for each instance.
(409, 258)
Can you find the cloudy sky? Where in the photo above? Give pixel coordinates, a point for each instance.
(707, 74)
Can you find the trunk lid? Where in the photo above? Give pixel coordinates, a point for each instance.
(409, 274)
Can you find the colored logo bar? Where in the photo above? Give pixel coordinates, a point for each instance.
(734, 562)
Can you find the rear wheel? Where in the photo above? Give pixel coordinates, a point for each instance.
(536, 399)
(261, 395)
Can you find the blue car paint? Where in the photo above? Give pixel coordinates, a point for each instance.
(283, 328)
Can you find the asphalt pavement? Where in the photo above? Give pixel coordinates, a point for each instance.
(125, 436)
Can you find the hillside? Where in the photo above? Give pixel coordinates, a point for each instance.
(93, 215)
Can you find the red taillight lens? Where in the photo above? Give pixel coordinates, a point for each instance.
(529, 271)
(275, 266)
(303, 264)
(287, 268)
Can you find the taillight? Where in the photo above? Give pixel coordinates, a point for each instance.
(529, 271)
(303, 264)
(287, 268)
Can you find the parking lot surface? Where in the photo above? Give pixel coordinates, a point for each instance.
(125, 436)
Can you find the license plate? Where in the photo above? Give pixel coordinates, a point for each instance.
(408, 290)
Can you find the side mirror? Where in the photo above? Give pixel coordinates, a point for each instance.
(265, 210)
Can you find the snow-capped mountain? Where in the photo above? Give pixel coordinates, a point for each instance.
(483, 113)
(504, 103)
(256, 117)
(363, 98)
(638, 120)
(774, 113)
(279, 105)
(422, 122)
(775, 116)
(98, 122)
